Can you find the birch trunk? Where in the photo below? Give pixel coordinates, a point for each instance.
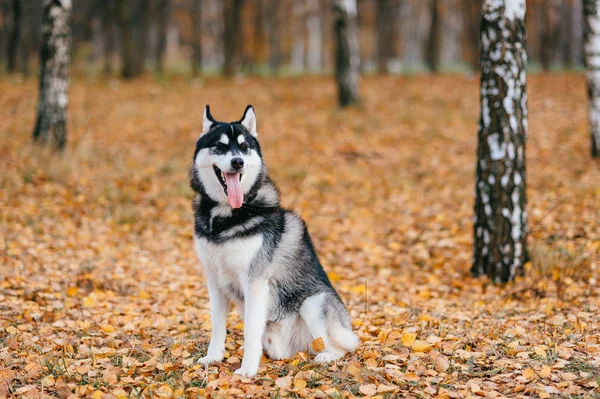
(500, 225)
(591, 13)
(51, 124)
(347, 59)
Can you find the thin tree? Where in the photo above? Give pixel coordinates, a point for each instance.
(123, 12)
(387, 33)
(432, 45)
(196, 16)
(231, 35)
(591, 15)
(14, 36)
(163, 13)
(500, 227)
(108, 16)
(347, 56)
(550, 32)
(274, 36)
(471, 20)
(55, 52)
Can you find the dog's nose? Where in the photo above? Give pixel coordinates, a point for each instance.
(237, 163)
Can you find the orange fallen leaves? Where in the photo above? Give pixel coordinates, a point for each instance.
(101, 294)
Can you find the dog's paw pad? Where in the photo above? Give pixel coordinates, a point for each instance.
(244, 373)
(326, 357)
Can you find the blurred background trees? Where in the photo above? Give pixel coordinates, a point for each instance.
(272, 37)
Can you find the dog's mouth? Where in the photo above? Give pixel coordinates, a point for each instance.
(231, 183)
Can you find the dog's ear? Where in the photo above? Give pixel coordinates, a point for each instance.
(249, 120)
(207, 120)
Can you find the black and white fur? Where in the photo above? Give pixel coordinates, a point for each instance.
(259, 256)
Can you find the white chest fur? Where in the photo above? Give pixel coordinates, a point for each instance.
(228, 261)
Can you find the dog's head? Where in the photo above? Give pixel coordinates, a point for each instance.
(227, 161)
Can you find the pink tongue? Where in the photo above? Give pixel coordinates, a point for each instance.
(235, 196)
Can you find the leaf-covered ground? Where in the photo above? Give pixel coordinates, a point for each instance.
(102, 296)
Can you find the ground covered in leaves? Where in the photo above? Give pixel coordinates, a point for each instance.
(101, 294)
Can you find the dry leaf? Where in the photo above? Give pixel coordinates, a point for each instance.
(368, 389)
(318, 345)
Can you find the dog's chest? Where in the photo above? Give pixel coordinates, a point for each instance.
(230, 260)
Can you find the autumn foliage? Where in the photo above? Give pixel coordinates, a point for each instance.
(101, 294)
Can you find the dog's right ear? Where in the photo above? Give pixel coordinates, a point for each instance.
(207, 120)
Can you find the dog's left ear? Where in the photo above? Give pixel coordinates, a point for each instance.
(249, 120)
(207, 120)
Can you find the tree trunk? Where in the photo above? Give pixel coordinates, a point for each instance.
(591, 16)
(347, 58)
(108, 17)
(15, 35)
(315, 36)
(196, 15)
(500, 227)
(387, 33)
(550, 32)
(472, 21)
(432, 50)
(55, 52)
(231, 35)
(274, 36)
(164, 11)
(128, 69)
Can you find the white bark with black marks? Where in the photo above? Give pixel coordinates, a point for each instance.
(591, 13)
(347, 59)
(500, 225)
(51, 124)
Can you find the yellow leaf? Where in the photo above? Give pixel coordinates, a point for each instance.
(299, 384)
(529, 373)
(408, 338)
(545, 372)
(359, 289)
(88, 301)
(107, 328)
(333, 276)
(318, 345)
(96, 395)
(420, 346)
(48, 381)
(72, 291)
(144, 294)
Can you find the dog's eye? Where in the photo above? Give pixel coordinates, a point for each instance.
(221, 146)
(244, 146)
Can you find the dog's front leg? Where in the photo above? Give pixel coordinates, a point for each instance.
(255, 319)
(219, 306)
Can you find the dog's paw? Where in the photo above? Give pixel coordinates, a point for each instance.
(244, 373)
(208, 359)
(326, 357)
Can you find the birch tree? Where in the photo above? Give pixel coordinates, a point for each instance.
(51, 123)
(347, 59)
(591, 13)
(500, 223)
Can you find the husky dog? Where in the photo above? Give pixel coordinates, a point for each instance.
(258, 255)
